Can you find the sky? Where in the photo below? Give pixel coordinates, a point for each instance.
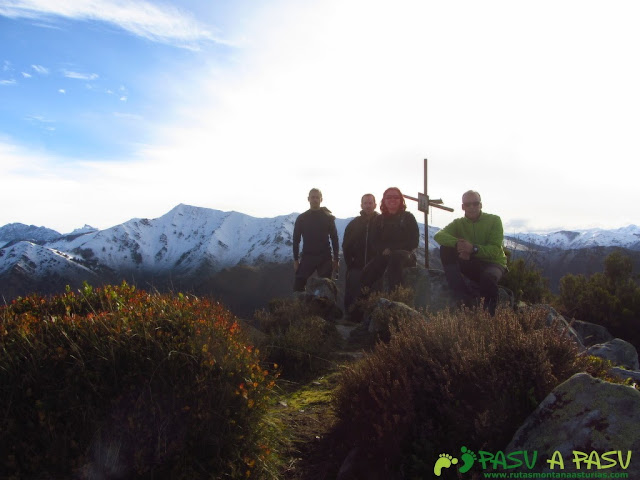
(119, 109)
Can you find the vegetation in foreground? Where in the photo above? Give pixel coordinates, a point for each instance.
(457, 378)
(119, 383)
(610, 298)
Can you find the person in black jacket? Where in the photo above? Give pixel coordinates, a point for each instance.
(357, 247)
(316, 227)
(395, 238)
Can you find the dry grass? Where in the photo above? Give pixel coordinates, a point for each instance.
(460, 377)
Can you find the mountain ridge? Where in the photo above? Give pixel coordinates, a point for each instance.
(189, 246)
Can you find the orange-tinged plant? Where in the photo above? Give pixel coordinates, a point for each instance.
(119, 382)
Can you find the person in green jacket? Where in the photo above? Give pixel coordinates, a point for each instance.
(472, 246)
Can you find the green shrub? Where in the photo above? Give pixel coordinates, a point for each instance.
(460, 378)
(610, 299)
(298, 338)
(526, 282)
(119, 383)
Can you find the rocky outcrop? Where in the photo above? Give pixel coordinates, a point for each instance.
(618, 352)
(386, 314)
(583, 414)
(591, 333)
(322, 293)
(623, 374)
(556, 320)
(431, 291)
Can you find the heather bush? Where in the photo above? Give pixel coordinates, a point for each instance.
(456, 378)
(298, 337)
(119, 383)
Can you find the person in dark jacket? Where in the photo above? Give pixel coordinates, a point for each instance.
(395, 238)
(357, 247)
(316, 227)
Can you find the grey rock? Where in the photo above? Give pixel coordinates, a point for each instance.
(583, 414)
(623, 374)
(591, 333)
(386, 313)
(563, 326)
(322, 294)
(617, 351)
(431, 291)
(322, 288)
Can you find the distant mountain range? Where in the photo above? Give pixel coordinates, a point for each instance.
(230, 254)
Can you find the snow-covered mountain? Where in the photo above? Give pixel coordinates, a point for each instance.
(626, 237)
(185, 239)
(27, 267)
(18, 231)
(192, 244)
(33, 259)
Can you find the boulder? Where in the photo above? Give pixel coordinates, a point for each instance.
(322, 294)
(387, 313)
(623, 374)
(430, 288)
(591, 333)
(322, 288)
(432, 292)
(554, 318)
(617, 351)
(583, 414)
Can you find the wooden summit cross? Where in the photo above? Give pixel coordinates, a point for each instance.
(423, 205)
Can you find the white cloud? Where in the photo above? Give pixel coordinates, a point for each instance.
(79, 76)
(26, 75)
(47, 177)
(351, 96)
(534, 106)
(40, 69)
(62, 90)
(8, 82)
(159, 23)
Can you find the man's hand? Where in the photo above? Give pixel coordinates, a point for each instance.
(296, 264)
(464, 256)
(386, 251)
(465, 249)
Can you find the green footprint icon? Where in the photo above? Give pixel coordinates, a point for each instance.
(445, 461)
(468, 459)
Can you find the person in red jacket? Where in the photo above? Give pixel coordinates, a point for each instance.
(395, 237)
(316, 227)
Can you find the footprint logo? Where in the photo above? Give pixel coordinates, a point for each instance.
(445, 461)
(468, 459)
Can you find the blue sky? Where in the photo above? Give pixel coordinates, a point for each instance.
(115, 109)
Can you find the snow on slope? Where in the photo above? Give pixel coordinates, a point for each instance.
(626, 237)
(18, 231)
(185, 238)
(188, 238)
(38, 261)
